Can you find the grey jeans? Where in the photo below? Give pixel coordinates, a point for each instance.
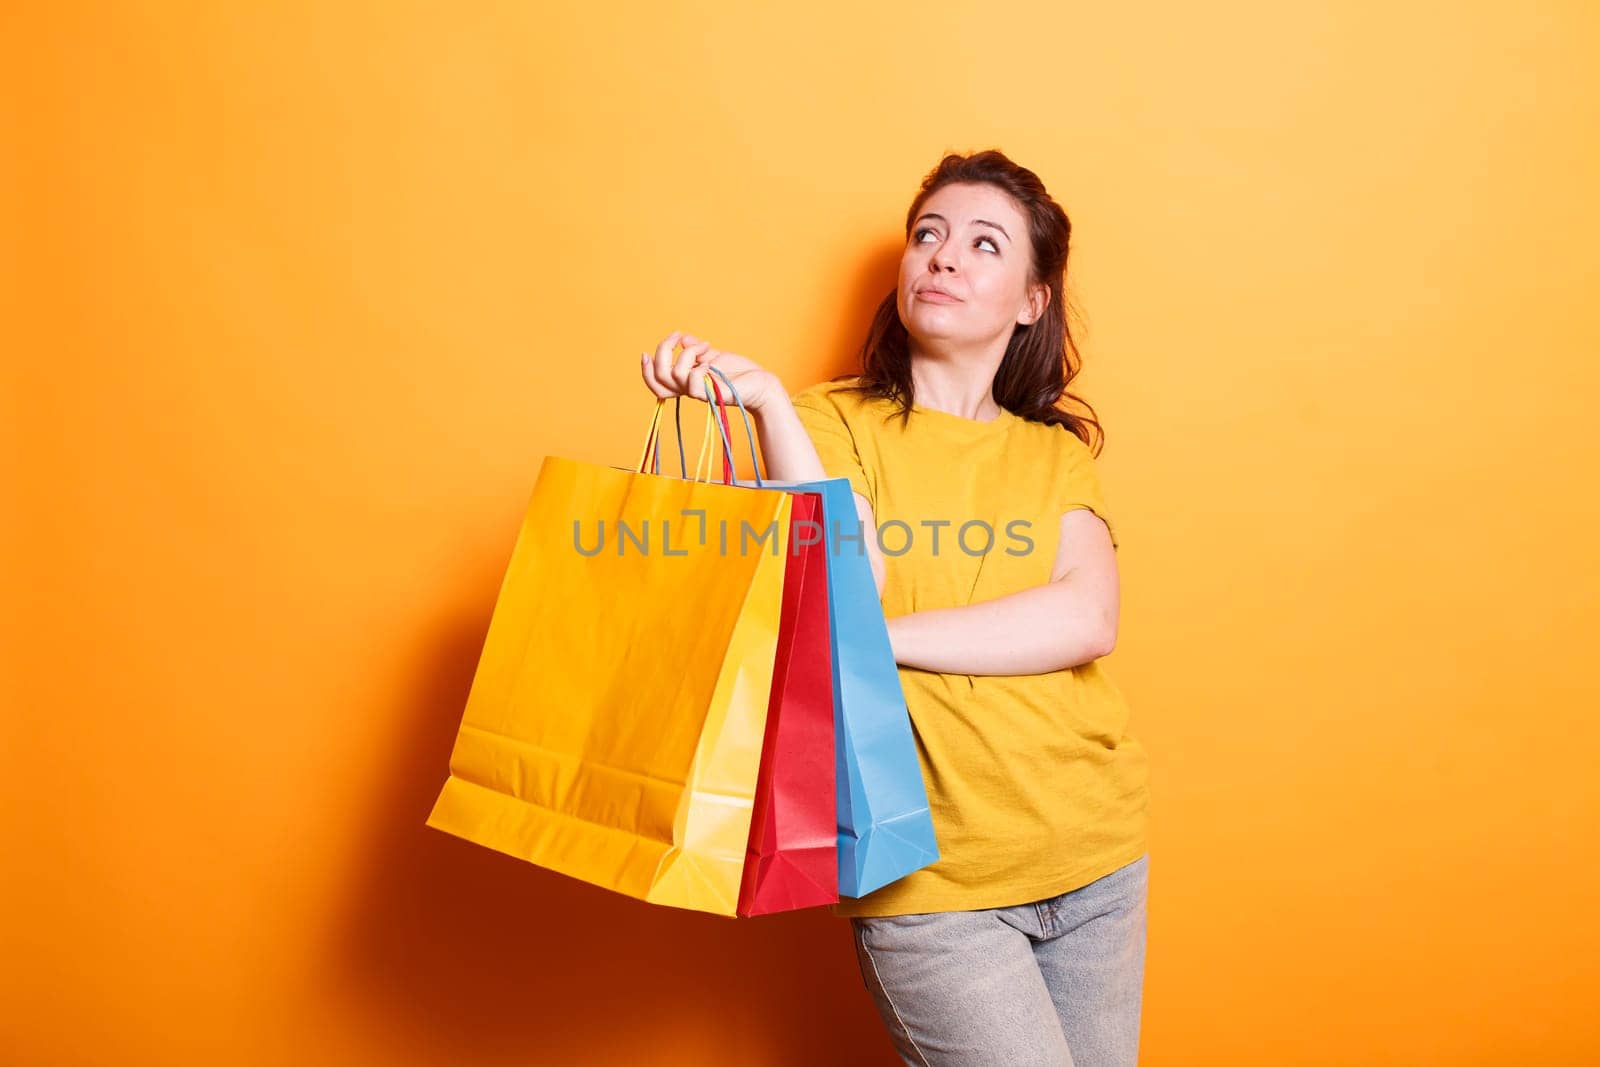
(1055, 982)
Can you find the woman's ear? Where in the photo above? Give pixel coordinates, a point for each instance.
(1038, 300)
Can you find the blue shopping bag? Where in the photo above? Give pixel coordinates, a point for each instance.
(885, 826)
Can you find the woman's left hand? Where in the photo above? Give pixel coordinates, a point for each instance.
(685, 375)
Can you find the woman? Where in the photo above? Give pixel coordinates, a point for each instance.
(1024, 943)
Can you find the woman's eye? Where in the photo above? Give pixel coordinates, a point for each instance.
(916, 236)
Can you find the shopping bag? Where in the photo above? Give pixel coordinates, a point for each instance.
(614, 726)
(885, 827)
(792, 861)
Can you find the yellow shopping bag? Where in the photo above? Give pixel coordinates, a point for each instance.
(614, 726)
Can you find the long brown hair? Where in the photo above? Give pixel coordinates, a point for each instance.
(1041, 358)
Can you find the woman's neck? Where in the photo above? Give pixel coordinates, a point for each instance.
(965, 390)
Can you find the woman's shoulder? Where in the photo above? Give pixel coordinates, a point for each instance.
(840, 397)
(1054, 435)
(830, 389)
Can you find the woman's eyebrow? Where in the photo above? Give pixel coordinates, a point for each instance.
(975, 222)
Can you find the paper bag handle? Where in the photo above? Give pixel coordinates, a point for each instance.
(652, 442)
(715, 415)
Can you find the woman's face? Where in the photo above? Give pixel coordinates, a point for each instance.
(971, 241)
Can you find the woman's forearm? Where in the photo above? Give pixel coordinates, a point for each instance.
(790, 456)
(1043, 628)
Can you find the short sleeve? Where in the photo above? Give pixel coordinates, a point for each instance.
(1080, 486)
(825, 424)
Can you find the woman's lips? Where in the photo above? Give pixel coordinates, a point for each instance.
(933, 297)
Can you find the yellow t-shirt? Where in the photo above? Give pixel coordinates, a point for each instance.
(1034, 783)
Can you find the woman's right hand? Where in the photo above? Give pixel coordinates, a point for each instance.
(684, 375)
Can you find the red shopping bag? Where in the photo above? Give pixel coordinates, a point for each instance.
(792, 861)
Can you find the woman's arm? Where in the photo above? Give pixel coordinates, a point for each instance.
(787, 449)
(791, 457)
(1068, 620)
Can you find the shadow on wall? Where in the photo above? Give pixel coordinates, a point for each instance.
(878, 277)
(470, 955)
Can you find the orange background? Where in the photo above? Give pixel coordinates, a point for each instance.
(297, 302)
